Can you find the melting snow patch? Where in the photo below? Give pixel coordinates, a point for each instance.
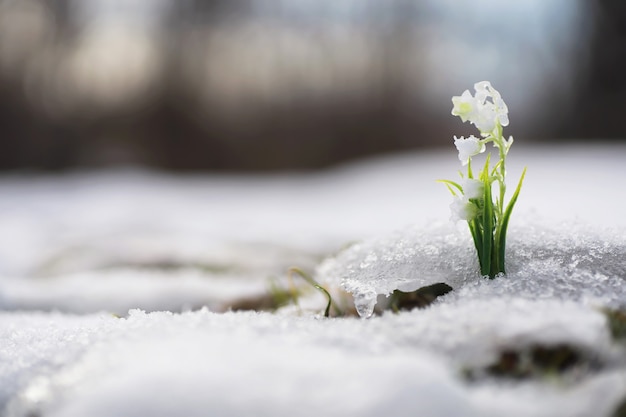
(117, 241)
(543, 263)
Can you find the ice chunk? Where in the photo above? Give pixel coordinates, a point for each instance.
(406, 260)
(569, 262)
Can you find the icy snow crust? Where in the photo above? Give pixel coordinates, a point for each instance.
(543, 262)
(77, 249)
(231, 364)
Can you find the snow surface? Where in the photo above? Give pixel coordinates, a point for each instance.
(79, 251)
(543, 262)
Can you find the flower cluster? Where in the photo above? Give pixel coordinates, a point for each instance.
(473, 202)
(485, 110)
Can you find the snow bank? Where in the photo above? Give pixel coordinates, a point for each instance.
(204, 363)
(113, 241)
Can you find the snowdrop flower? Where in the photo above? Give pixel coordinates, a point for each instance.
(463, 209)
(502, 111)
(473, 196)
(485, 90)
(485, 120)
(465, 106)
(473, 188)
(484, 110)
(468, 147)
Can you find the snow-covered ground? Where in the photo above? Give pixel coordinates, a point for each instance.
(114, 286)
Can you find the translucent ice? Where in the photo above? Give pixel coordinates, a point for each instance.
(405, 260)
(564, 262)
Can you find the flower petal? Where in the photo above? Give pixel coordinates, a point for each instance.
(462, 209)
(473, 188)
(468, 147)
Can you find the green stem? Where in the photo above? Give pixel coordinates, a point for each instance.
(487, 223)
(502, 180)
(311, 281)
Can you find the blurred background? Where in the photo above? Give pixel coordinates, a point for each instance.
(294, 84)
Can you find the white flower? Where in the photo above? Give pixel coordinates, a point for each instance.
(484, 110)
(484, 90)
(485, 120)
(502, 111)
(473, 188)
(468, 147)
(465, 106)
(463, 209)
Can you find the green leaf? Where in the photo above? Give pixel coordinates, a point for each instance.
(501, 235)
(311, 281)
(453, 184)
(495, 167)
(477, 237)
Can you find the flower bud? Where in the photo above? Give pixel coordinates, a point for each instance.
(473, 188)
(463, 209)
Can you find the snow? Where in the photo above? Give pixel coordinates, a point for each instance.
(542, 263)
(302, 366)
(208, 367)
(237, 363)
(78, 251)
